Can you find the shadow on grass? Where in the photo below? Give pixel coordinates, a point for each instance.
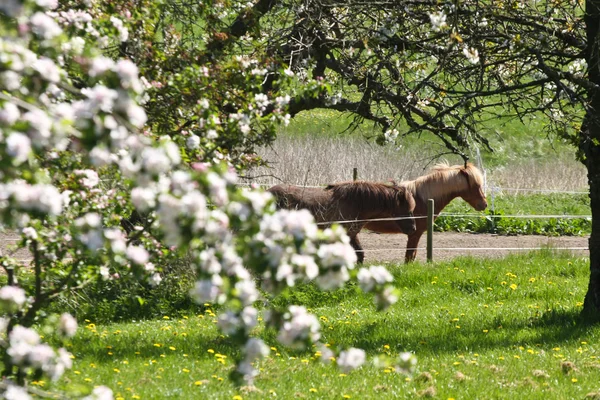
(555, 328)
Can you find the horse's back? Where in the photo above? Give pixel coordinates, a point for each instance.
(296, 197)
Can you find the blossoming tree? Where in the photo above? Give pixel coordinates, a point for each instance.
(441, 67)
(71, 119)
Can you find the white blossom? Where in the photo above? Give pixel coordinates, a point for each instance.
(14, 392)
(192, 142)
(137, 254)
(438, 21)
(255, 349)
(44, 26)
(100, 393)
(472, 54)
(67, 325)
(88, 178)
(369, 278)
(351, 359)
(12, 298)
(299, 329)
(207, 290)
(9, 114)
(18, 146)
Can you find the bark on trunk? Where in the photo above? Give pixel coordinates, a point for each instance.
(590, 146)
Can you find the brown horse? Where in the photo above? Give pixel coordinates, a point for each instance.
(443, 184)
(354, 202)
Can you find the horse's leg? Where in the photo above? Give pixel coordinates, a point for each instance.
(411, 246)
(352, 231)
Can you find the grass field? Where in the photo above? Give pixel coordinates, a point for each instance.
(479, 329)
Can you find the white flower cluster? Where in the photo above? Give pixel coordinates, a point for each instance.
(391, 135)
(472, 54)
(377, 279)
(351, 359)
(299, 329)
(40, 198)
(578, 67)
(26, 350)
(254, 349)
(12, 299)
(438, 21)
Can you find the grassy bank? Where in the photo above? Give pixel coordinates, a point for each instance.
(480, 329)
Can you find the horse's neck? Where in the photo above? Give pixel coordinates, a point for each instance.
(441, 192)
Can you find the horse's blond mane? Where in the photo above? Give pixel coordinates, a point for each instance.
(444, 179)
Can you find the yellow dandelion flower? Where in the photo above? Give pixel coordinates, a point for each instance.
(517, 356)
(237, 397)
(386, 346)
(220, 379)
(574, 380)
(346, 396)
(116, 370)
(198, 383)
(312, 390)
(76, 372)
(407, 379)
(166, 317)
(157, 345)
(87, 380)
(172, 348)
(185, 370)
(556, 348)
(342, 375)
(135, 396)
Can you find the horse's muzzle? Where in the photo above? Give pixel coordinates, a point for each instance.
(408, 226)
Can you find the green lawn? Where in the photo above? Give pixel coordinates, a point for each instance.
(480, 329)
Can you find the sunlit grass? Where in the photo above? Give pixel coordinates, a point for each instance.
(480, 329)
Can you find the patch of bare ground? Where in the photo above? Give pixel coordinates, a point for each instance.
(447, 245)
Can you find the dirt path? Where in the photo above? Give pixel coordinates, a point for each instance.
(446, 245)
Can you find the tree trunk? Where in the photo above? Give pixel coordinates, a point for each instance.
(590, 146)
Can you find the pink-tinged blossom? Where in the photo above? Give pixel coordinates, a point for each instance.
(100, 65)
(143, 199)
(123, 32)
(47, 69)
(40, 126)
(44, 26)
(137, 254)
(87, 177)
(48, 4)
(30, 233)
(100, 98)
(9, 114)
(351, 359)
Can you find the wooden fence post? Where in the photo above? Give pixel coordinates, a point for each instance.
(430, 210)
(354, 173)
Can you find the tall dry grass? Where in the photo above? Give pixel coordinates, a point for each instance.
(318, 160)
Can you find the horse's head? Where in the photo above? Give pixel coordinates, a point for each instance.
(474, 194)
(405, 207)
